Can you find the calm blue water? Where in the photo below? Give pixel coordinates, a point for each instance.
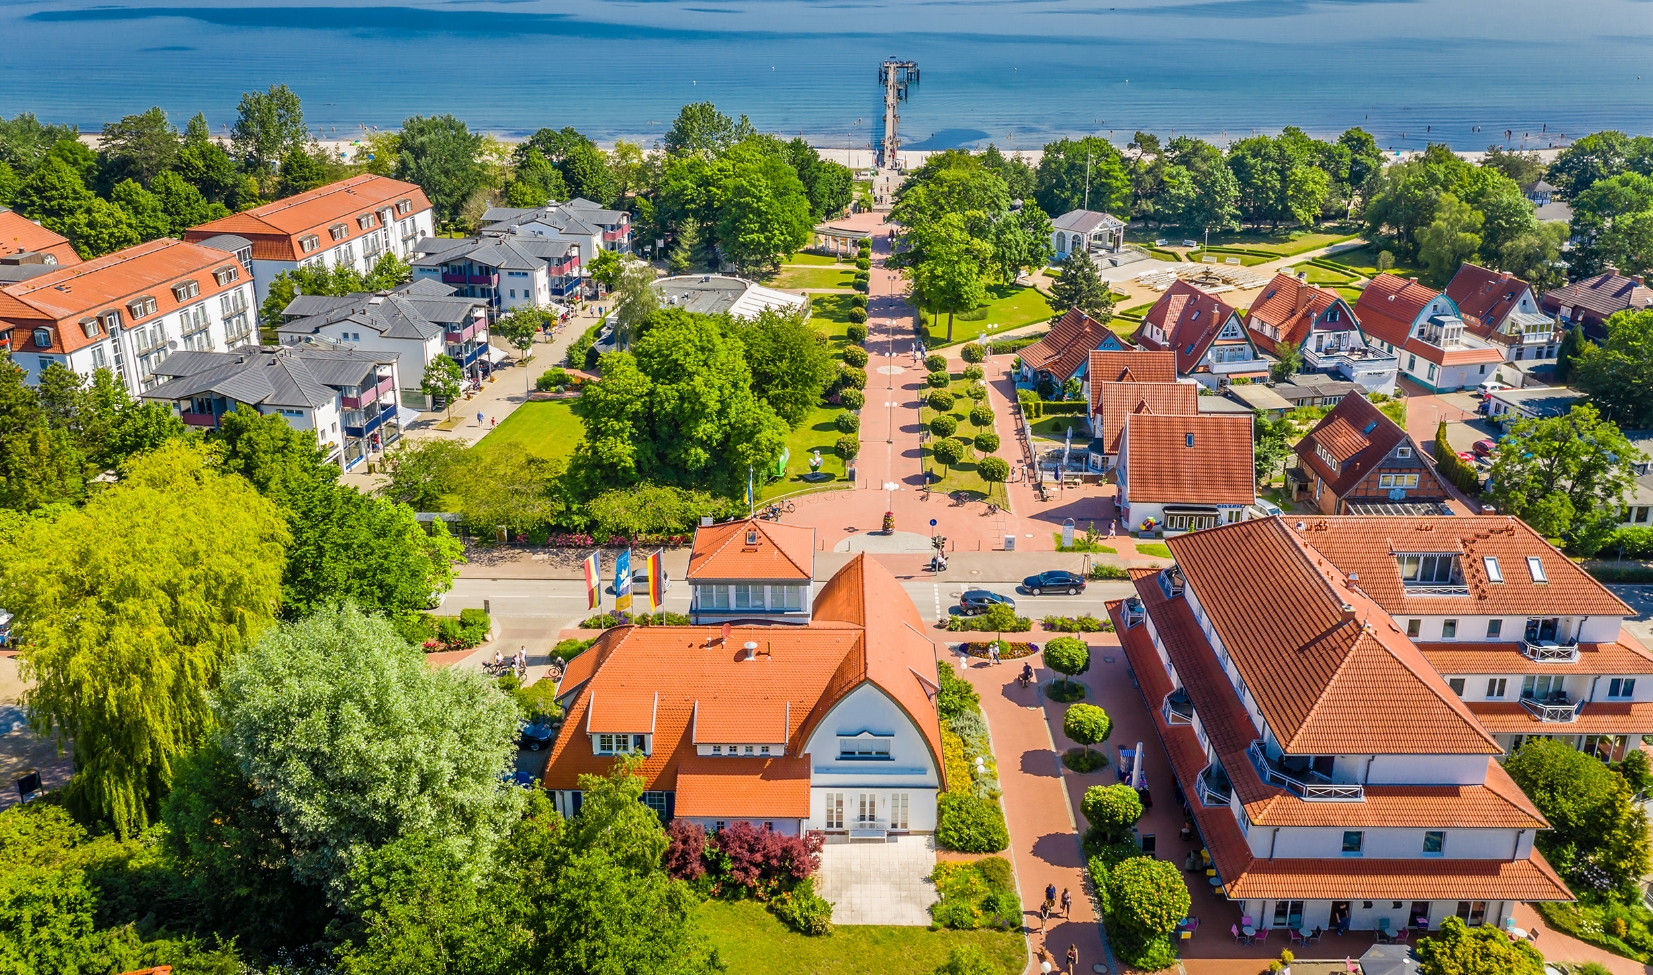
(1014, 71)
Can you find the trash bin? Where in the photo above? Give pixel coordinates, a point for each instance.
(1010, 543)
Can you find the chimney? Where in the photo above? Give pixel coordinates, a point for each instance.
(1348, 612)
(1413, 280)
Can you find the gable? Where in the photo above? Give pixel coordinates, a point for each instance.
(868, 711)
(1231, 331)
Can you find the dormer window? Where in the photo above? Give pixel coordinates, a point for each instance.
(365, 221)
(110, 320)
(139, 307)
(338, 231)
(403, 206)
(185, 290)
(1403, 452)
(1332, 316)
(1326, 456)
(43, 338)
(864, 747)
(1428, 569)
(308, 243)
(91, 327)
(621, 744)
(225, 275)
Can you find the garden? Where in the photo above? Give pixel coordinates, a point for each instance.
(544, 428)
(749, 938)
(968, 816)
(964, 455)
(1008, 306)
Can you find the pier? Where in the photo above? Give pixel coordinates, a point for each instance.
(895, 76)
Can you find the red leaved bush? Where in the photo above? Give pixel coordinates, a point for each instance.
(685, 856)
(758, 856)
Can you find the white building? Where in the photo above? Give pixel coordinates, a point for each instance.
(579, 221)
(352, 222)
(827, 726)
(506, 270)
(751, 572)
(1423, 329)
(1179, 472)
(128, 311)
(720, 294)
(1087, 230)
(1500, 307)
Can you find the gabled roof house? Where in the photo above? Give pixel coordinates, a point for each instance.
(1063, 353)
(1589, 302)
(1208, 336)
(1179, 473)
(751, 571)
(1424, 328)
(1358, 461)
(1291, 312)
(1501, 308)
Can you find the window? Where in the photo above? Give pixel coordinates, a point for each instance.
(717, 749)
(1496, 686)
(185, 290)
(110, 320)
(1621, 688)
(1495, 629)
(91, 327)
(1326, 455)
(403, 206)
(365, 221)
(139, 307)
(1449, 629)
(338, 231)
(786, 597)
(657, 802)
(1288, 914)
(899, 803)
(347, 254)
(1412, 627)
(1428, 570)
(100, 360)
(1353, 840)
(1474, 913)
(763, 750)
(748, 749)
(308, 243)
(1411, 363)
(42, 338)
(1494, 573)
(1535, 568)
(1535, 688)
(834, 810)
(619, 744)
(1403, 452)
(1432, 372)
(225, 275)
(1397, 480)
(1188, 440)
(1457, 685)
(866, 808)
(748, 596)
(862, 749)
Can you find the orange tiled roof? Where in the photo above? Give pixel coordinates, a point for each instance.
(776, 552)
(1485, 297)
(743, 788)
(1390, 305)
(1291, 306)
(275, 228)
(20, 235)
(1189, 319)
(1065, 347)
(1498, 804)
(865, 629)
(724, 722)
(1135, 366)
(1455, 356)
(1624, 657)
(1359, 436)
(1597, 718)
(1316, 671)
(1216, 469)
(1367, 548)
(1116, 401)
(76, 291)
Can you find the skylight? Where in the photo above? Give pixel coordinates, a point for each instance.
(1535, 566)
(1370, 427)
(1494, 573)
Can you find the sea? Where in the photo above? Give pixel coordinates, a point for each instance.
(1016, 73)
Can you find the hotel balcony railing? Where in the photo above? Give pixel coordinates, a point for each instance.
(1240, 365)
(1330, 358)
(198, 419)
(618, 233)
(1549, 651)
(369, 395)
(868, 828)
(1214, 787)
(488, 280)
(1553, 709)
(1133, 612)
(373, 423)
(1307, 784)
(1178, 709)
(1171, 582)
(463, 335)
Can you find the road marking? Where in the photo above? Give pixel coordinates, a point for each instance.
(939, 617)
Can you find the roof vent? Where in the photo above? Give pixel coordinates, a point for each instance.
(1300, 526)
(751, 648)
(1354, 577)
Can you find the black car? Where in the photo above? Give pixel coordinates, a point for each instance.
(536, 735)
(975, 601)
(1055, 581)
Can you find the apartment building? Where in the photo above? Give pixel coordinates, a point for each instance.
(128, 311)
(1424, 328)
(506, 271)
(1330, 770)
(347, 396)
(579, 221)
(352, 222)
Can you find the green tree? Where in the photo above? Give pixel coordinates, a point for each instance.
(267, 125)
(443, 380)
(635, 300)
(534, 182)
(1111, 809)
(949, 276)
(144, 209)
(1146, 898)
(650, 510)
(509, 487)
(948, 452)
(205, 165)
(441, 155)
(128, 609)
(993, 470)
(1450, 239)
(1597, 838)
(1613, 224)
(1565, 475)
(1068, 656)
(1618, 374)
(54, 194)
(1462, 950)
(605, 268)
(138, 147)
(518, 326)
(24, 140)
(1535, 256)
(184, 205)
(790, 360)
(1365, 157)
(764, 214)
(1271, 439)
(1599, 156)
(1571, 347)
(39, 465)
(1069, 166)
(303, 168)
(828, 184)
(103, 228)
(700, 127)
(341, 739)
(1521, 167)
(1021, 242)
(1079, 286)
(1086, 724)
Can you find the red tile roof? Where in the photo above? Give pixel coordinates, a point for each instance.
(1358, 878)
(20, 235)
(1359, 436)
(1367, 548)
(1390, 306)
(1135, 366)
(719, 722)
(1455, 356)
(743, 788)
(1315, 671)
(1458, 657)
(1596, 718)
(775, 551)
(1485, 297)
(1289, 306)
(71, 293)
(1161, 466)
(1064, 348)
(1189, 318)
(275, 228)
(1116, 401)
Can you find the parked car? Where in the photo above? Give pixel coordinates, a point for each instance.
(1466, 457)
(976, 601)
(640, 580)
(535, 735)
(1484, 448)
(1490, 386)
(1056, 580)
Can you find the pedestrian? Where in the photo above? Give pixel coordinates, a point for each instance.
(1112, 524)
(1067, 903)
(1050, 892)
(492, 423)
(497, 659)
(1044, 915)
(993, 653)
(478, 417)
(1073, 959)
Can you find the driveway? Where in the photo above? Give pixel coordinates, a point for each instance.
(879, 882)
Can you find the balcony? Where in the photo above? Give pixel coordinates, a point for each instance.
(869, 829)
(1359, 358)
(618, 233)
(1178, 709)
(463, 335)
(1294, 774)
(374, 422)
(1556, 708)
(1171, 582)
(1213, 786)
(369, 395)
(199, 419)
(1133, 612)
(486, 280)
(1239, 366)
(1549, 651)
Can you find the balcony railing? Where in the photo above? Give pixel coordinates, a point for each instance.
(1549, 651)
(1309, 785)
(1133, 612)
(618, 233)
(370, 395)
(363, 429)
(1365, 356)
(1171, 582)
(1553, 709)
(199, 419)
(869, 829)
(1178, 709)
(1214, 788)
(463, 335)
(488, 280)
(1240, 365)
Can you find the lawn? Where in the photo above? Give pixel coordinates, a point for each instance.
(819, 431)
(1137, 311)
(1351, 295)
(805, 257)
(547, 428)
(963, 477)
(1283, 243)
(1364, 260)
(1007, 307)
(830, 313)
(749, 939)
(1056, 427)
(1156, 550)
(812, 277)
(1321, 275)
(1223, 257)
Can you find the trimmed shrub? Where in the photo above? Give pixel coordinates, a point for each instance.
(939, 380)
(1077, 624)
(864, 263)
(943, 425)
(1111, 808)
(858, 301)
(852, 399)
(973, 372)
(949, 451)
(1032, 406)
(973, 352)
(803, 910)
(847, 446)
(861, 286)
(976, 391)
(935, 362)
(940, 400)
(987, 442)
(855, 355)
(856, 331)
(981, 416)
(968, 824)
(994, 470)
(1146, 899)
(554, 378)
(858, 316)
(1086, 724)
(847, 422)
(852, 377)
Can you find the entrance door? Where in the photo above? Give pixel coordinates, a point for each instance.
(867, 809)
(1418, 916)
(1543, 631)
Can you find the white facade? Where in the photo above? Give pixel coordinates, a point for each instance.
(895, 788)
(392, 233)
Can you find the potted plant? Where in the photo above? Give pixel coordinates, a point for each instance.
(889, 522)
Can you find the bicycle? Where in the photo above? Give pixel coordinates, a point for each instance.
(992, 507)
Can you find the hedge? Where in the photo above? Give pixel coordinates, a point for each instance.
(1462, 476)
(968, 817)
(1053, 408)
(968, 824)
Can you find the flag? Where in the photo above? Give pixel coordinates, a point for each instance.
(656, 580)
(593, 582)
(749, 490)
(622, 582)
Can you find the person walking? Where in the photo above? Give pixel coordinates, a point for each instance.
(993, 653)
(1050, 892)
(479, 418)
(1044, 916)
(1067, 904)
(1073, 959)
(1112, 524)
(497, 660)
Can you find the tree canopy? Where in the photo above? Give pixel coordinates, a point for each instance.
(1598, 837)
(1618, 374)
(1564, 475)
(441, 155)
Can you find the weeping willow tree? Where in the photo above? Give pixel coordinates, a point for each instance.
(127, 609)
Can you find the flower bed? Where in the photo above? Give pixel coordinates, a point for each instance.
(607, 620)
(968, 817)
(1007, 649)
(1077, 624)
